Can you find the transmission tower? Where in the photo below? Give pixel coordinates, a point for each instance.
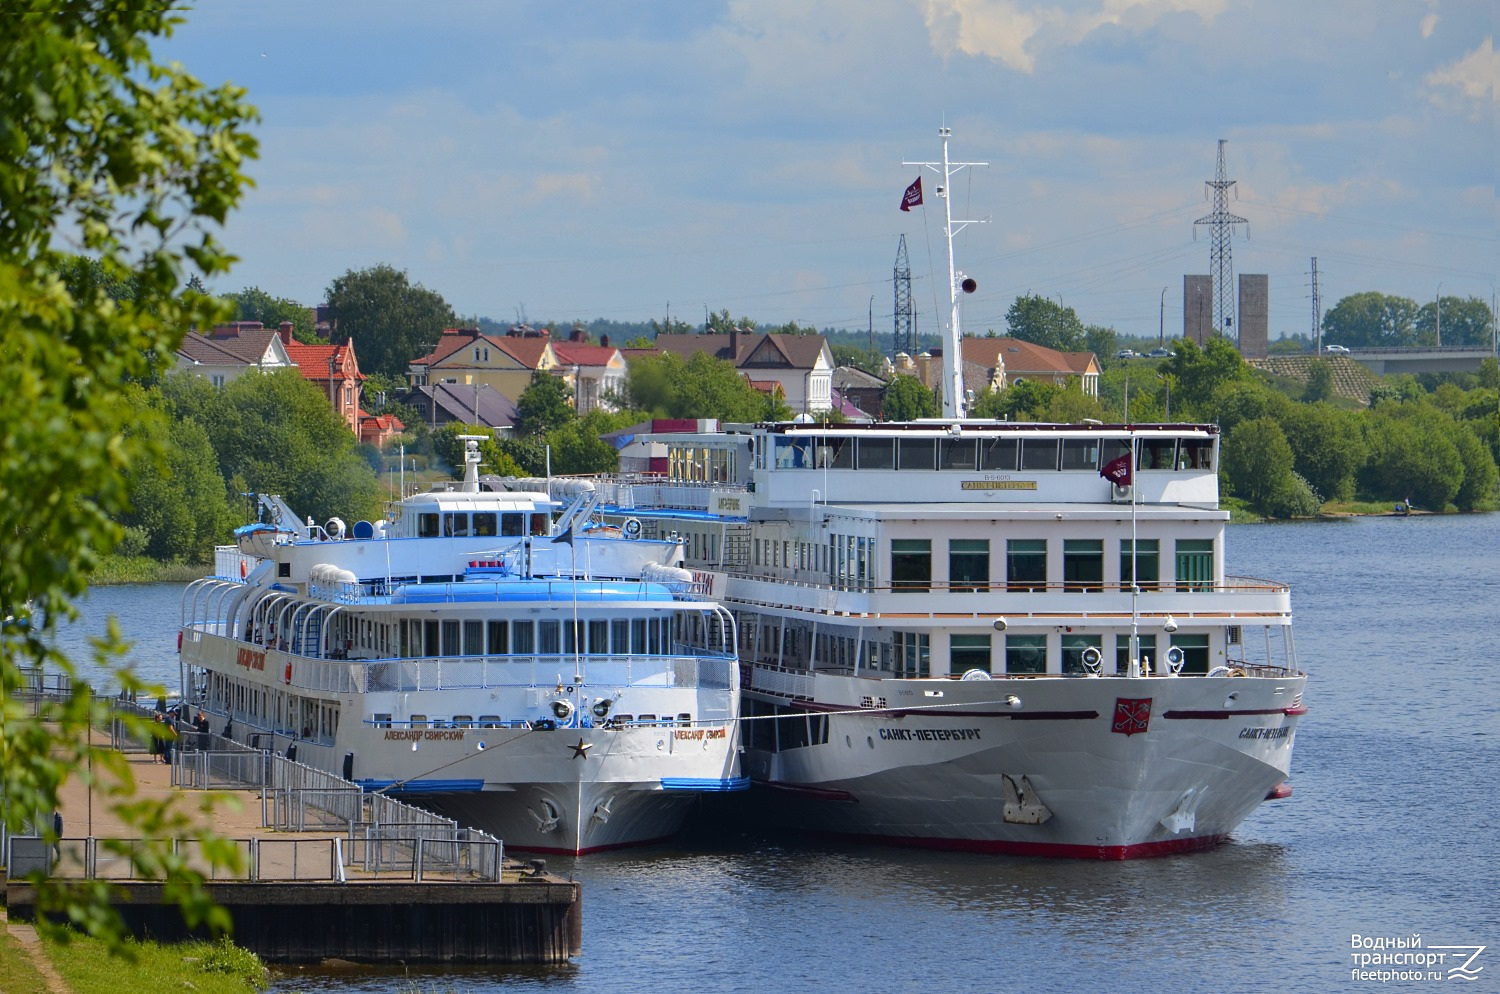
(905, 339)
(1220, 262)
(1317, 313)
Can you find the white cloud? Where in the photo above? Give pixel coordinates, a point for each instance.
(1428, 24)
(1011, 30)
(1470, 80)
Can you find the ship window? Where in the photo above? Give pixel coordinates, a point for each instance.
(1195, 453)
(463, 721)
(877, 453)
(835, 452)
(484, 523)
(541, 524)
(499, 638)
(918, 453)
(1113, 448)
(417, 721)
(512, 525)
(1073, 649)
(913, 654)
(381, 720)
(1194, 652)
(968, 652)
(522, 638)
(793, 453)
(429, 638)
(638, 636)
(451, 644)
(1122, 651)
(968, 564)
(1147, 563)
(1080, 453)
(911, 564)
(548, 638)
(619, 636)
(1157, 453)
(473, 638)
(1195, 564)
(489, 721)
(599, 637)
(957, 453)
(1025, 653)
(429, 523)
(1083, 564)
(998, 453)
(1026, 563)
(1039, 453)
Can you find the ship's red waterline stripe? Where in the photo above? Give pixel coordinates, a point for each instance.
(1222, 715)
(1051, 850)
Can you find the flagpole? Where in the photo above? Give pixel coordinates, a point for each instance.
(1135, 586)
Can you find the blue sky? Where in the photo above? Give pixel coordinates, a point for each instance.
(608, 159)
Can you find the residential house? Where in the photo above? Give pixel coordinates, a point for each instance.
(466, 357)
(595, 373)
(471, 403)
(996, 363)
(333, 369)
(857, 394)
(801, 365)
(230, 349)
(378, 429)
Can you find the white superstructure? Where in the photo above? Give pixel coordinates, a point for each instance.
(961, 634)
(561, 685)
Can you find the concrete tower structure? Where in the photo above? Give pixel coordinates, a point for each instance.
(1255, 297)
(1197, 308)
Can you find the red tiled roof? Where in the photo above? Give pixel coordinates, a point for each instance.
(576, 354)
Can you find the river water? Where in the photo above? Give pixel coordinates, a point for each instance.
(1393, 829)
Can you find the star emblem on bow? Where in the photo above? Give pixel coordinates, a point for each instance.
(581, 750)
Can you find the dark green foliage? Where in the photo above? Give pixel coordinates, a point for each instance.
(1042, 321)
(254, 304)
(906, 399)
(1257, 462)
(545, 404)
(665, 386)
(390, 319)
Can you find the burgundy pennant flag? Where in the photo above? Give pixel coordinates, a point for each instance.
(1117, 471)
(913, 195)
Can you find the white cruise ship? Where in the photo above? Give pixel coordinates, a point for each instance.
(563, 686)
(964, 634)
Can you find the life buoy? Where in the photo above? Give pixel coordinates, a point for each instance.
(179, 641)
(242, 569)
(288, 671)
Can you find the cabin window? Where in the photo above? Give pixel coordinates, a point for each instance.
(1039, 453)
(548, 638)
(876, 453)
(1147, 563)
(1195, 564)
(1112, 449)
(463, 721)
(522, 638)
(1026, 563)
(968, 564)
(1195, 453)
(484, 523)
(473, 638)
(968, 652)
(835, 452)
(1080, 453)
(381, 720)
(619, 630)
(452, 645)
(911, 564)
(1122, 651)
(1194, 651)
(957, 453)
(417, 721)
(918, 453)
(1073, 648)
(1025, 653)
(998, 453)
(429, 638)
(793, 452)
(599, 636)
(913, 654)
(541, 524)
(429, 524)
(512, 525)
(1083, 564)
(499, 633)
(489, 721)
(1158, 453)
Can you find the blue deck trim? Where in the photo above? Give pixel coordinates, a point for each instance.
(696, 783)
(421, 786)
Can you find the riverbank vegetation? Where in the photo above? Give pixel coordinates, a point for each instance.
(88, 966)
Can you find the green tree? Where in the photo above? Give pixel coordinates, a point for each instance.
(862, 359)
(1023, 400)
(906, 399)
(578, 448)
(1412, 457)
(1041, 321)
(1199, 373)
(138, 163)
(391, 320)
(545, 404)
(665, 386)
(1258, 463)
(1102, 341)
(1319, 381)
(1461, 321)
(1237, 401)
(180, 505)
(1371, 320)
(1328, 446)
(1480, 475)
(254, 304)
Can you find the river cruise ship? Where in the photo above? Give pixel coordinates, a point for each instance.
(492, 654)
(983, 635)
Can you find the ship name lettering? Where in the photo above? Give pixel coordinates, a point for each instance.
(1265, 733)
(426, 734)
(700, 733)
(250, 659)
(929, 734)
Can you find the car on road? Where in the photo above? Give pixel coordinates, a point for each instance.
(1160, 354)
(1125, 354)
(1336, 349)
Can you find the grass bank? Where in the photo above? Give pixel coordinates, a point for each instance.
(139, 569)
(86, 967)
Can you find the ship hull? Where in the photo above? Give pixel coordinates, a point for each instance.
(1109, 768)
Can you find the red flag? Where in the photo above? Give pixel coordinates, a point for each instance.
(1117, 471)
(913, 195)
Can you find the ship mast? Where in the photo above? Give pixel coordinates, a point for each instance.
(954, 405)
